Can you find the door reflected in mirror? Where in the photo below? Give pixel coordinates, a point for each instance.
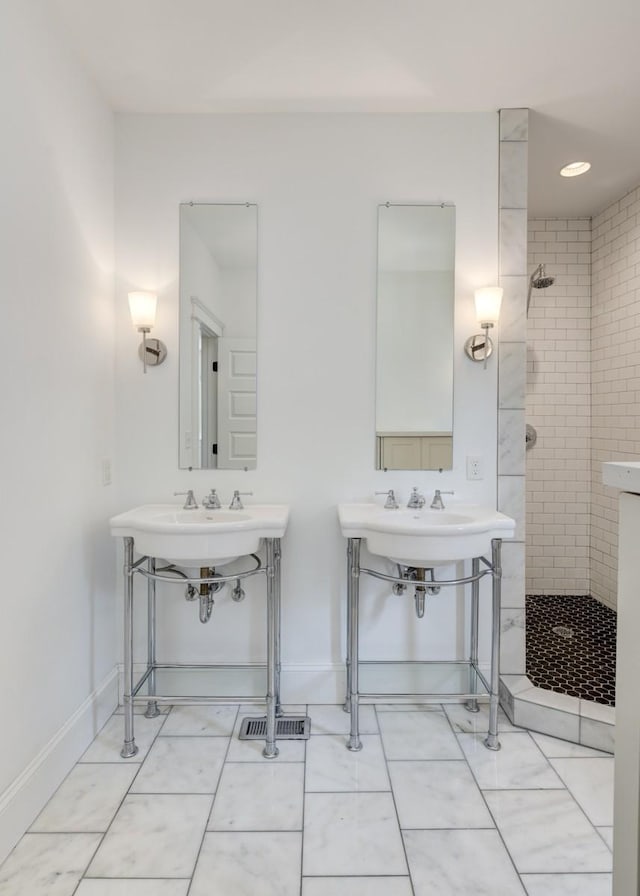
(414, 358)
(218, 359)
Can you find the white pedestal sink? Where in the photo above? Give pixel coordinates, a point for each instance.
(203, 538)
(425, 538)
(200, 537)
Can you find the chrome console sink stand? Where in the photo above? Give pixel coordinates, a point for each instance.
(132, 690)
(354, 693)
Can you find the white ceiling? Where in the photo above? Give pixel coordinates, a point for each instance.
(574, 63)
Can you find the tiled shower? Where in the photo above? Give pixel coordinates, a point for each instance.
(583, 399)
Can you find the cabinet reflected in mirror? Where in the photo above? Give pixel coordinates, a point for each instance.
(414, 358)
(218, 361)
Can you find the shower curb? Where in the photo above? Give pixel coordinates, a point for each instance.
(569, 718)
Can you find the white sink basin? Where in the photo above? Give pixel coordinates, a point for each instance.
(425, 537)
(200, 537)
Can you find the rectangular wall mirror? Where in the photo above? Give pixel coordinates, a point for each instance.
(414, 359)
(218, 360)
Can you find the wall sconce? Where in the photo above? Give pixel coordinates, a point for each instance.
(488, 300)
(142, 306)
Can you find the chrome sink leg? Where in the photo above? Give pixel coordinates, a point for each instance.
(472, 705)
(491, 741)
(347, 700)
(277, 554)
(355, 743)
(129, 747)
(270, 749)
(152, 705)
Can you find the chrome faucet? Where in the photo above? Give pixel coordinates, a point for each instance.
(236, 503)
(416, 500)
(212, 501)
(391, 502)
(438, 503)
(190, 503)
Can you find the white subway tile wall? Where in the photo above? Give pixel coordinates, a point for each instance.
(558, 405)
(615, 335)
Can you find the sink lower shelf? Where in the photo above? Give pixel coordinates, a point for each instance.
(398, 680)
(220, 683)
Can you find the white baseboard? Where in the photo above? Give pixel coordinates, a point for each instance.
(26, 796)
(313, 684)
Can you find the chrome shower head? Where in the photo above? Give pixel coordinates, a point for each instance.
(538, 280)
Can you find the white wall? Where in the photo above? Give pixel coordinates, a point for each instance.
(56, 404)
(317, 181)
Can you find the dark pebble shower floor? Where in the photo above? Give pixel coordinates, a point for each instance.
(571, 646)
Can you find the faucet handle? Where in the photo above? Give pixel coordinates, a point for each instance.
(236, 503)
(212, 501)
(190, 503)
(416, 500)
(391, 502)
(437, 503)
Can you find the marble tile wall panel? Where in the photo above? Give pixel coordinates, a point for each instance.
(513, 321)
(510, 440)
(513, 171)
(514, 124)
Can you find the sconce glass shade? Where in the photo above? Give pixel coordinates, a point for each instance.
(142, 306)
(488, 300)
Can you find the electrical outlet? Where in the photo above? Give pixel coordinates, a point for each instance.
(474, 468)
(106, 470)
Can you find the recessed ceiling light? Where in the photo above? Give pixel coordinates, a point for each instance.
(573, 169)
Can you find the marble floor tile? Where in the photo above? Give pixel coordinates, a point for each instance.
(182, 765)
(331, 719)
(567, 884)
(465, 722)
(259, 797)
(201, 720)
(47, 864)
(590, 782)
(251, 750)
(545, 831)
(132, 888)
(107, 745)
(554, 748)
(87, 799)
(519, 763)
(607, 835)
(248, 864)
(352, 833)
(153, 836)
(418, 735)
(464, 862)
(356, 886)
(437, 794)
(332, 767)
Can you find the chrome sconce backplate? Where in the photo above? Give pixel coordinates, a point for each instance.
(479, 347)
(152, 351)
